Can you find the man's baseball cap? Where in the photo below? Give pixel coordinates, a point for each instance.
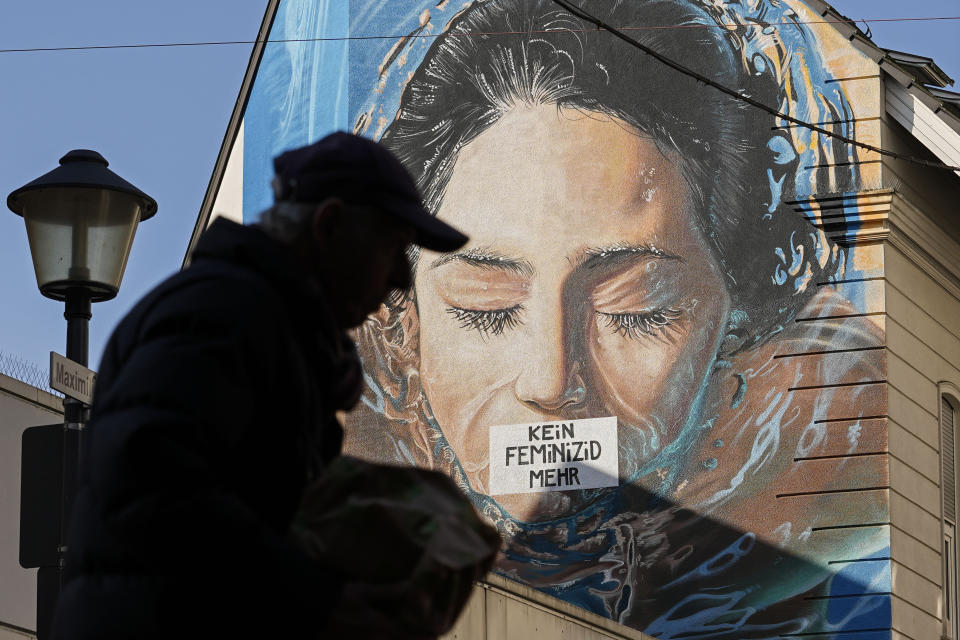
(360, 171)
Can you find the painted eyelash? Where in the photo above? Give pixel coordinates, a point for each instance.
(640, 325)
(487, 322)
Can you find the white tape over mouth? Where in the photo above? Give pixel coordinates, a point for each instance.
(554, 456)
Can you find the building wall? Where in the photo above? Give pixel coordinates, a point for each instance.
(21, 406)
(751, 491)
(923, 331)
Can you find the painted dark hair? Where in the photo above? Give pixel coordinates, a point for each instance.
(498, 54)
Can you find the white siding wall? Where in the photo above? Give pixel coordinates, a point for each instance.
(21, 406)
(923, 339)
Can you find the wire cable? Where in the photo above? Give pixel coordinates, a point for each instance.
(213, 43)
(600, 24)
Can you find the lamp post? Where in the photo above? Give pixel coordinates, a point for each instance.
(81, 219)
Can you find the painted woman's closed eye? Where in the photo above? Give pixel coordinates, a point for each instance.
(489, 321)
(644, 324)
(646, 299)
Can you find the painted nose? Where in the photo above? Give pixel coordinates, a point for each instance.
(554, 395)
(551, 380)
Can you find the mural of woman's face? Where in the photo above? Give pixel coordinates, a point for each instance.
(586, 290)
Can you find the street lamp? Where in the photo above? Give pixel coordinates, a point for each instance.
(81, 218)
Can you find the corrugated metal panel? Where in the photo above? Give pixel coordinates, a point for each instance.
(504, 610)
(948, 455)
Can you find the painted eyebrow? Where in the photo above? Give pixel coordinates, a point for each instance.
(486, 259)
(618, 254)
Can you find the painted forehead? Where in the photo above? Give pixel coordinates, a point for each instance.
(543, 181)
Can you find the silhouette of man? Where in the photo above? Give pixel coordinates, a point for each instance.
(215, 408)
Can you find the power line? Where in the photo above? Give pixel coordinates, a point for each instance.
(214, 43)
(600, 24)
(618, 32)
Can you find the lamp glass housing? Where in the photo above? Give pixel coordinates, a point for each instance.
(80, 237)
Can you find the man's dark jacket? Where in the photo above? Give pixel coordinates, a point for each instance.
(214, 408)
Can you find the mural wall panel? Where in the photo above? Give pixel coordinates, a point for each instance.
(658, 366)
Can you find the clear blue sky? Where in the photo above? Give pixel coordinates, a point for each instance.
(159, 115)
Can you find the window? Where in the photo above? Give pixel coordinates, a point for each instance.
(948, 458)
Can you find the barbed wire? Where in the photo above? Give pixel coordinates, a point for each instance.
(26, 372)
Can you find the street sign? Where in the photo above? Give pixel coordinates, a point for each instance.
(71, 378)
